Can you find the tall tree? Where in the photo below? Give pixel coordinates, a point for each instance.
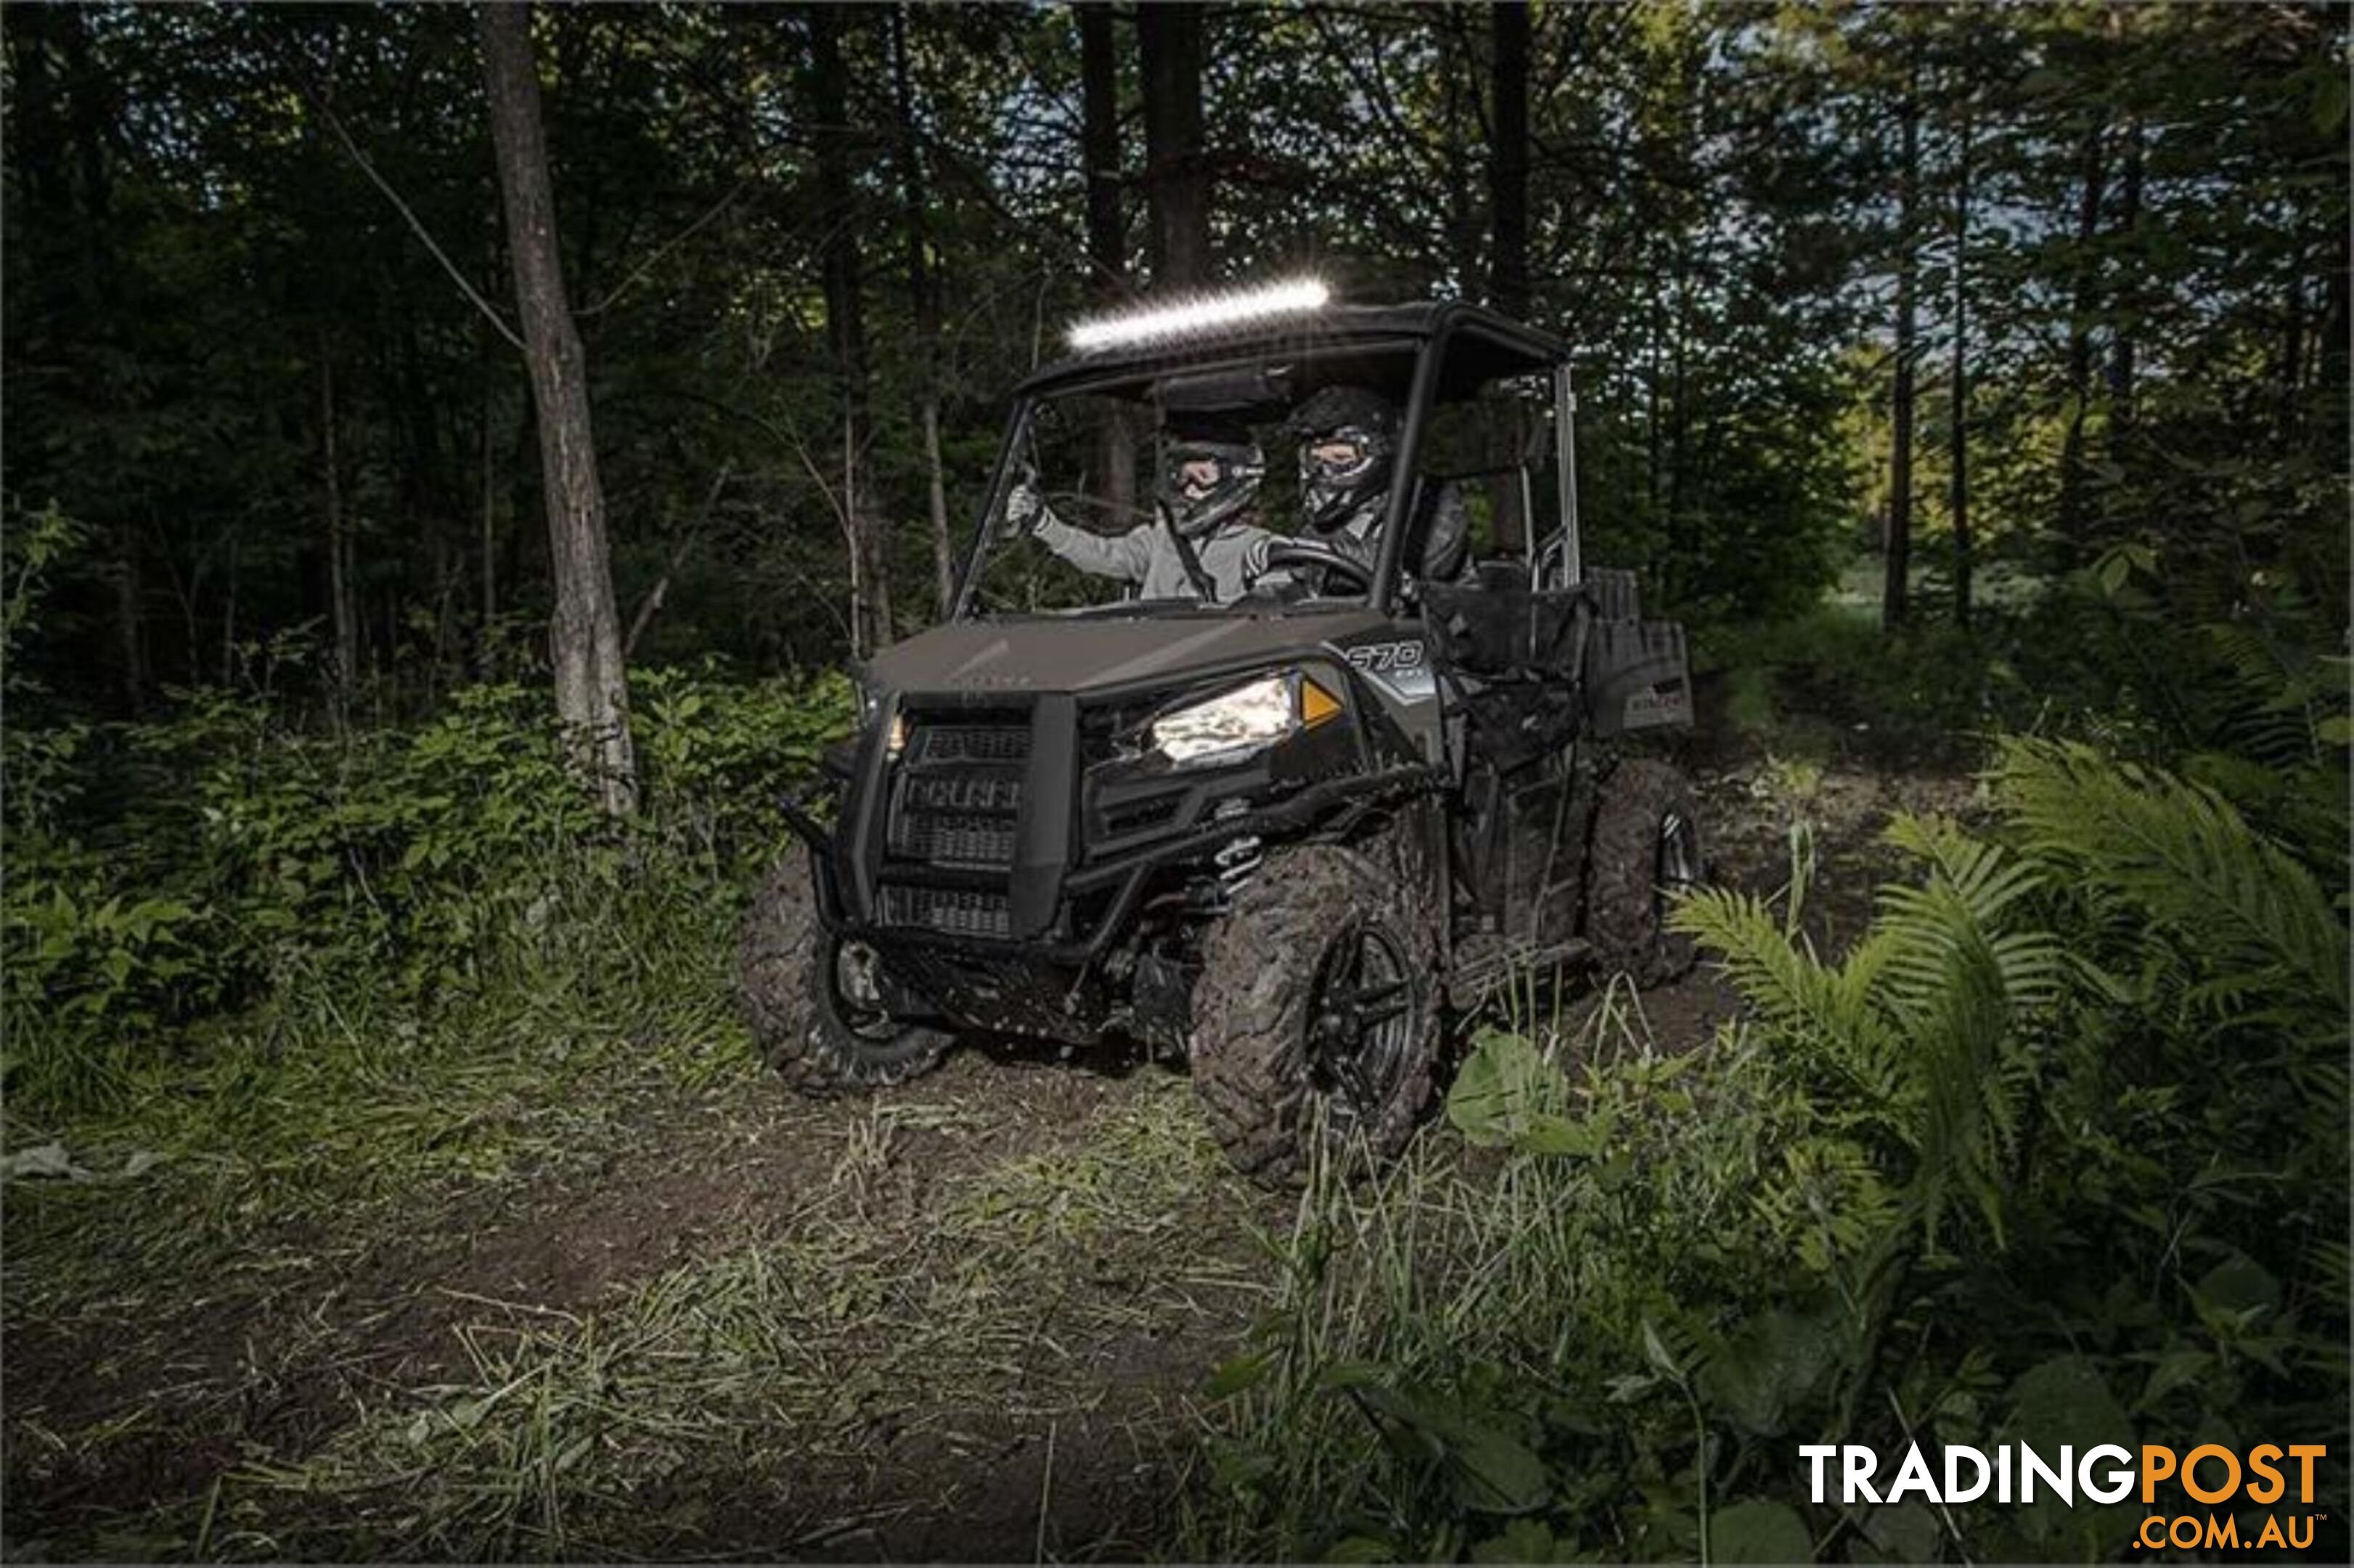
(1507, 210)
(1177, 169)
(346, 670)
(922, 291)
(2121, 344)
(584, 631)
(1957, 473)
(1107, 228)
(845, 319)
(2082, 304)
(1100, 148)
(1897, 556)
(1508, 159)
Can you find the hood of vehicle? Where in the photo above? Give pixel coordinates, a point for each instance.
(1082, 654)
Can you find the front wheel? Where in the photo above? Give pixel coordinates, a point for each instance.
(1645, 852)
(815, 1001)
(1318, 993)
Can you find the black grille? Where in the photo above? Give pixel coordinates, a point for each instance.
(955, 838)
(958, 911)
(955, 799)
(937, 743)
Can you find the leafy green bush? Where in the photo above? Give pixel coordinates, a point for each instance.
(1927, 690)
(2221, 670)
(218, 858)
(2083, 1079)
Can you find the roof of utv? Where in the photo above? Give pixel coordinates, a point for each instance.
(1496, 344)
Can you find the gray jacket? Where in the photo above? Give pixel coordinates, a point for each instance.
(1232, 558)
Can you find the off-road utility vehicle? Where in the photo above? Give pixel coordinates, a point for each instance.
(1290, 836)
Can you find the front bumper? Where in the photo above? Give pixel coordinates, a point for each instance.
(1001, 861)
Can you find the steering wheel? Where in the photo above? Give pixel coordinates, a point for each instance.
(1332, 561)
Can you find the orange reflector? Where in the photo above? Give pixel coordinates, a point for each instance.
(1316, 704)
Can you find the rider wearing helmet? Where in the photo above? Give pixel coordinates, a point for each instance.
(1348, 447)
(1203, 542)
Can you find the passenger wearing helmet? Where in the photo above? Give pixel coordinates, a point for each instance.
(1348, 450)
(1202, 544)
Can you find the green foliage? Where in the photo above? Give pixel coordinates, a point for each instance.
(2082, 1079)
(236, 861)
(1831, 680)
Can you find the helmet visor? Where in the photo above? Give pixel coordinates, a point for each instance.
(1335, 455)
(1194, 475)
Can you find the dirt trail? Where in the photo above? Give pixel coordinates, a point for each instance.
(1048, 1270)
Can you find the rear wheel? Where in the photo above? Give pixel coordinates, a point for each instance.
(814, 1001)
(1645, 852)
(1318, 1004)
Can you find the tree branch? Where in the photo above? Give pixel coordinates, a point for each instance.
(661, 591)
(673, 243)
(416, 225)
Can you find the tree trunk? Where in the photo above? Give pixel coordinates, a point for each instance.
(1454, 140)
(2330, 344)
(1177, 171)
(1507, 161)
(1959, 426)
(1654, 379)
(346, 670)
(490, 528)
(229, 614)
(130, 620)
(1508, 209)
(1099, 150)
(584, 632)
(2121, 350)
(924, 294)
(2080, 345)
(1897, 552)
(1107, 232)
(2292, 361)
(846, 328)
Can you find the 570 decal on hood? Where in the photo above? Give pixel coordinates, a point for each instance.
(1402, 665)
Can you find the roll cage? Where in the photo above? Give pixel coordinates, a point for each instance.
(1453, 349)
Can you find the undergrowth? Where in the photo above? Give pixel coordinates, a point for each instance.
(2056, 1153)
(258, 963)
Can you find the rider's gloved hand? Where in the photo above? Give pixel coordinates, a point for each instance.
(1024, 507)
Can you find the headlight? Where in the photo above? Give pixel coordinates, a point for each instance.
(1246, 719)
(870, 708)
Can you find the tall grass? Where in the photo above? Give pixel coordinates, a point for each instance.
(740, 1401)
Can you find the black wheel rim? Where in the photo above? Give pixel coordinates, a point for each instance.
(849, 974)
(1360, 1033)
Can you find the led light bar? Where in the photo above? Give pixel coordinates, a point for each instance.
(1165, 322)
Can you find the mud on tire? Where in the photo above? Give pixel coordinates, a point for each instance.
(1260, 1067)
(786, 975)
(1631, 857)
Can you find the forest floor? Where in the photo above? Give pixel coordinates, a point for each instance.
(969, 1319)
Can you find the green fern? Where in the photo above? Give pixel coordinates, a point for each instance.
(1921, 1023)
(2247, 913)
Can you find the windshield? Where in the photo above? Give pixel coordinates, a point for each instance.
(1187, 490)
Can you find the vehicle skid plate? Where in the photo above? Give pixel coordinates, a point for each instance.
(1009, 993)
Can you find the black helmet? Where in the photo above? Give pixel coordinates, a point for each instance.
(1209, 471)
(1347, 436)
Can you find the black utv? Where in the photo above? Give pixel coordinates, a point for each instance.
(1291, 834)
